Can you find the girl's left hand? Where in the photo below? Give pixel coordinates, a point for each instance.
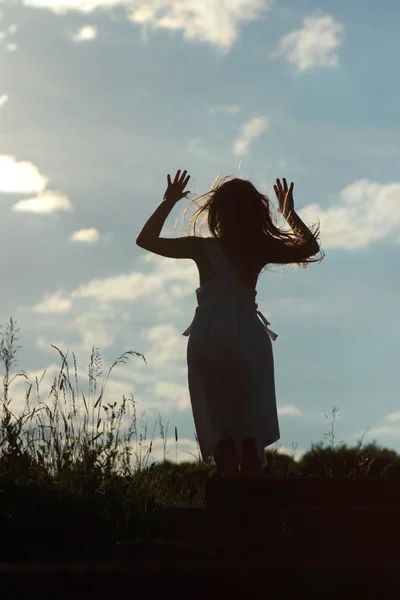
(174, 191)
(285, 197)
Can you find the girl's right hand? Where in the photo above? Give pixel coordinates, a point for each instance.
(175, 190)
(285, 197)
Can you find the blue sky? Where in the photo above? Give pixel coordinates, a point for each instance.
(99, 100)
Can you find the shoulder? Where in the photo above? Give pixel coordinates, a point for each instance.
(183, 247)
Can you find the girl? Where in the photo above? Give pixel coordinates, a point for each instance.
(229, 354)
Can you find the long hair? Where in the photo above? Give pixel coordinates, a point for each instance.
(234, 211)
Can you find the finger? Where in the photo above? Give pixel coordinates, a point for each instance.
(169, 180)
(277, 190)
(279, 184)
(177, 176)
(186, 194)
(285, 184)
(291, 188)
(182, 177)
(186, 181)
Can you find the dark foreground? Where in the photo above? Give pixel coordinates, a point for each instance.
(317, 539)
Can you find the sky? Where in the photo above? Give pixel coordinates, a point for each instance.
(100, 99)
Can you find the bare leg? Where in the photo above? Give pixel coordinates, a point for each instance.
(226, 458)
(251, 465)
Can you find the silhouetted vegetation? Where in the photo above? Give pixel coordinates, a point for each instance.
(77, 473)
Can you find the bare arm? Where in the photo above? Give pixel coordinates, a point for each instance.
(152, 228)
(307, 243)
(301, 231)
(149, 237)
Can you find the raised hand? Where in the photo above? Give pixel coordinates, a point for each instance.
(175, 189)
(285, 197)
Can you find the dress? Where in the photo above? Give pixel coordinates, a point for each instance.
(230, 362)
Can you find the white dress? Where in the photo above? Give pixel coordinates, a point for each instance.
(230, 362)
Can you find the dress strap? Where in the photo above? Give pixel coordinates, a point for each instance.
(271, 334)
(188, 331)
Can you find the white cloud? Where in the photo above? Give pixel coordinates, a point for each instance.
(289, 410)
(203, 20)
(53, 303)
(250, 131)
(95, 330)
(100, 309)
(232, 109)
(367, 211)
(3, 100)
(83, 6)
(8, 33)
(85, 33)
(44, 204)
(314, 45)
(167, 344)
(20, 177)
(87, 325)
(120, 288)
(172, 393)
(393, 417)
(90, 326)
(45, 345)
(216, 23)
(11, 47)
(88, 236)
(180, 279)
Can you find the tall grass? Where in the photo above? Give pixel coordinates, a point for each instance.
(80, 464)
(72, 429)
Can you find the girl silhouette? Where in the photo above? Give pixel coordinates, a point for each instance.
(229, 353)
